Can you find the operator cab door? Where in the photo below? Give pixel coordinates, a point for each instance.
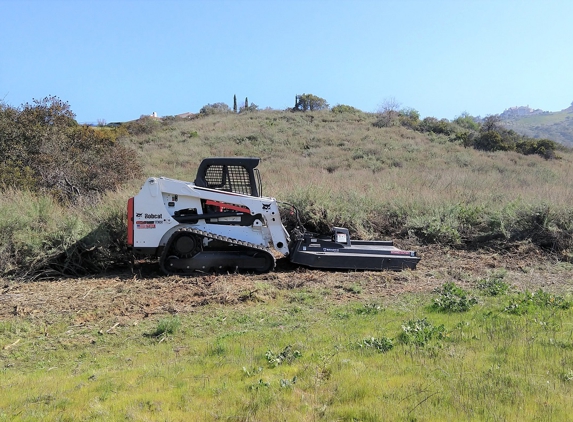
(235, 174)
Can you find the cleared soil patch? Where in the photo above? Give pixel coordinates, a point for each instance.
(141, 293)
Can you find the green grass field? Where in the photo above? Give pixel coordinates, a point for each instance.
(302, 356)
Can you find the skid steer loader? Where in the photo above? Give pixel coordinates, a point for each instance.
(221, 222)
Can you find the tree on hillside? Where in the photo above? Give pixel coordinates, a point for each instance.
(248, 107)
(410, 118)
(44, 149)
(492, 136)
(343, 108)
(216, 108)
(388, 113)
(309, 102)
(466, 121)
(234, 103)
(491, 123)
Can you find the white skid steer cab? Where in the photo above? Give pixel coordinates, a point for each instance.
(221, 222)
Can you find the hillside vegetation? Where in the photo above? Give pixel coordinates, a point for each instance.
(342, 169)
(385, 175)
(480, 331)
(557, 126)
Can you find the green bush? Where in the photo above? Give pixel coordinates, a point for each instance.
(288, 356)
(382, 344)
(528, 302)
(166, 326)
(452, 298)
(216, 108)
(542, 147)
(467, 122)
(431, 124)
(45, 150)
(145, 125)
(492, 141)
(409, 118)
(494, 285)
(341, 108)
(34, 229)
(309, 102)
(41, 239)
(420, 332)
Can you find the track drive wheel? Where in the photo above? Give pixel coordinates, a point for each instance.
(266, 262)
(185, 245)
(182, 245)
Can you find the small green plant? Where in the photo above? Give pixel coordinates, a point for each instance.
(288, 355)
(567, 376)
(354, 288)
(528, 302)
(382, 344)
(165, 326)
(368, 309)
(494, 285)
(285, 383)
(252, 371)
(420, 332)
(452, 298)
(259, 385)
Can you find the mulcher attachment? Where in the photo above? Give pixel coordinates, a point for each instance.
(336, 251)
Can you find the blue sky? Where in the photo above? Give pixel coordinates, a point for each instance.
(116, 60)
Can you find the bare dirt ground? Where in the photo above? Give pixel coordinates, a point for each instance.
(141, 292)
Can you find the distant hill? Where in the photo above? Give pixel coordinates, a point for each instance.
(557, 126)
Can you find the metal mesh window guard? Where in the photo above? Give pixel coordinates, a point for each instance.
(229, 178)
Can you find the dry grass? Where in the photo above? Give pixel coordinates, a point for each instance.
(128, 296)
(387, 164)
(339, 169)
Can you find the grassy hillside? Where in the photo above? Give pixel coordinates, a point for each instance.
(556, 126)
(341, 169)
(337, 168)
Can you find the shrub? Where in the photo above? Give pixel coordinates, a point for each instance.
(431, 124)
(382, 344)
(409, 118)
(216, 108)
(532, 301)
(33, 228)
(341, 108)
(288, 355)
(420, 332)
(368, 309)
(441, 229)
(165, 327)
(493, 141)
(452, 298)
(494, 285)
(45, 150)
(14, 175)
(309, 102)
(468, 122)
(142, 126)
(542, 147)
